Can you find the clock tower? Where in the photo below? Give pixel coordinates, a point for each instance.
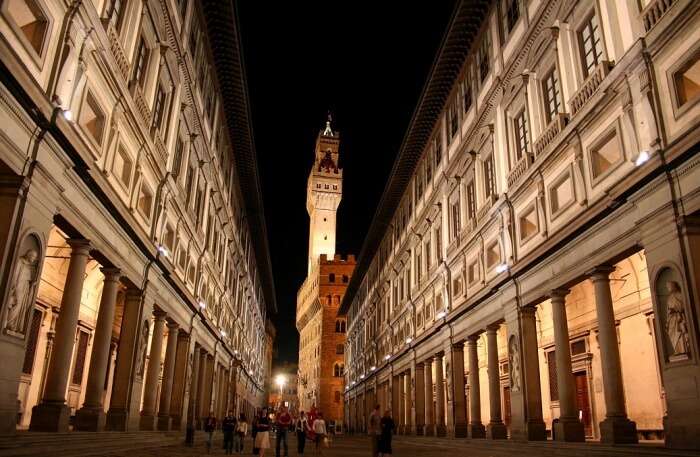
(323, 194)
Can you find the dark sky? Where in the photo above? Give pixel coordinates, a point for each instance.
(366, 62)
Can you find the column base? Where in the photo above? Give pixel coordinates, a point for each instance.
(440, 430)
(50, 417)
(496, 431)
(117, 420)
(429, 430)
(90, 419)
(461, 431)
(477, 430)
(147, 422)
(618, 430)
(164, 423)
(568, 430)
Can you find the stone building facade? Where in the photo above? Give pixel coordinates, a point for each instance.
(134, 273)
(533, 268)
(321, 330)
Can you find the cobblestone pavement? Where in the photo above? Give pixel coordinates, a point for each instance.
(411, 446)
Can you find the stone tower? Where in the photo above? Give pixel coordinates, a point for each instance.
(323, 194)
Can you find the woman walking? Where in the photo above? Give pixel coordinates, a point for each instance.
(387, 430)
(241, 431)
(262, 439)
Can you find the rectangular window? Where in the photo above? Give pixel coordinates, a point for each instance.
(521, 135)
(687, 81)
(483, 57)
(489, 178)
(141, 62)
(552, 95)
(590, 44)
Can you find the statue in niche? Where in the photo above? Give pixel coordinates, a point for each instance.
(676, 324)
(514, 364)
(141, 353)
(21, 294)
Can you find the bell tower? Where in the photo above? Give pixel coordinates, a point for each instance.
(323, 194)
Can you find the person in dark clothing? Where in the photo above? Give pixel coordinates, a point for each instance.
(387, 426)
(228, 426)
(209, 427)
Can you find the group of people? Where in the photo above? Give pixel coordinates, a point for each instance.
(311, 427)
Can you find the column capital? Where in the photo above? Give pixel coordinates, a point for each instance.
(159, 315)
(601, 273)
(111, 274)
(558, 294)
(79, 245)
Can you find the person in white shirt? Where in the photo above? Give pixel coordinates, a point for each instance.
(319, 428)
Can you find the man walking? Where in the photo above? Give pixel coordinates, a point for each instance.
(374, 430)
(284, 420)
(302, 428)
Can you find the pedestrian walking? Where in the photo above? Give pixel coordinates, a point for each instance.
(228, 427)
(209, 428)
(375, 430)
(262, 439)
(302, 428)
(282, 421)
(387, 426)
(319, 429)
(241, 431)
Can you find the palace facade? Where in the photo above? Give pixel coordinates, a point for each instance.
(533, 268)
(134, 271)
(321, 330)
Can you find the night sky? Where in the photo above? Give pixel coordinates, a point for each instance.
(366, 62)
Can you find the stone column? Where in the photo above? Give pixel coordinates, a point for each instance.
(420, 398)
(92, 417)
(166, 389)
(123, 406)
(401, 422)
(459, 401)
(407, 403)
(476, 428)
(440, 428)
(496, 429)
(148, 414)
(569, 427)
(52, 414)
(183, 369)
(428, 385)
(616, 428)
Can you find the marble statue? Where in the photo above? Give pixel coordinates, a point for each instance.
(21, 292)
(676, 324)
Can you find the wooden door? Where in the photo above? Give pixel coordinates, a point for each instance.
(583, 403)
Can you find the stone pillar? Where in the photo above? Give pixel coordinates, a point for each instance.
(569, 427)
(164, 417)
(476, 428)
(496, 429)
(148, 414)
(440, 428)
(183, 369)
(407, 403)
(429, 413)
(52, 414)
(419, 402)
(616, 428)
(459, 401)
(92, 417)
(124, 404)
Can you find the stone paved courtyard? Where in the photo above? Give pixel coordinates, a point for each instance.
(351, 446)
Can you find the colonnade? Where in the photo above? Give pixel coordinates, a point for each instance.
(428, 395)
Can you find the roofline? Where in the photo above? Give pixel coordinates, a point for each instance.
(464, 25)
(224, 36)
